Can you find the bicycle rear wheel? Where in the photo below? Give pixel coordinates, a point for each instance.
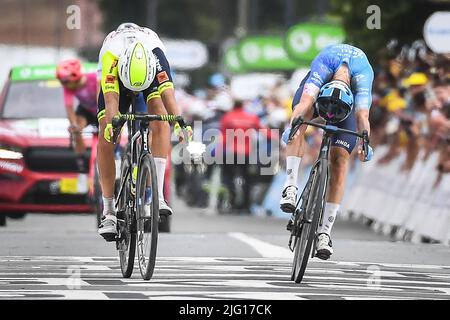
(127, 244)
(312, 214)
(147, 214)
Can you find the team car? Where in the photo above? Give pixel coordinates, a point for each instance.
(38, 168)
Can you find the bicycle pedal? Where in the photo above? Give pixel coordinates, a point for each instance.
(290, 225)
(323, 255)
(287, 208)
(109, 237)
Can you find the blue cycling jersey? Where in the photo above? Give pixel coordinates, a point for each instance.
(328, 62)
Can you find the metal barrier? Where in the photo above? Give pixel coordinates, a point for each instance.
(403, 204)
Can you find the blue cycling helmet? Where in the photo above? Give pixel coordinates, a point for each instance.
(335, 101)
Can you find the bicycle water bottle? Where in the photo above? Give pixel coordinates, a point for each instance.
(133, 179)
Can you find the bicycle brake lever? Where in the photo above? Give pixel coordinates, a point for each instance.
(296, 123)
(117, 123)
(365, 138)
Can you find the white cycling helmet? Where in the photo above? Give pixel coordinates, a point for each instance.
(127, 25)
(137, 67)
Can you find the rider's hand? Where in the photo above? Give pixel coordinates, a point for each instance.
(362, 156)
(108, 132)
(285, 135)
(74, 129)
(179, 132)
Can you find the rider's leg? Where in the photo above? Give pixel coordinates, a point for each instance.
(160, 142)
(107, 170)
(294, 153)
(81, 121)
(339, 159)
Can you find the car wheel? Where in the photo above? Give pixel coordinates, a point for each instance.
(2, 220)
(16, 216)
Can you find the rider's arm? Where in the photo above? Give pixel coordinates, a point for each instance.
(110, 85)
(363, 100)
(68, 102)
(304, 106)
(168, 98)
(320, 74)
(363, 97)
(163, 82)
(362, 120)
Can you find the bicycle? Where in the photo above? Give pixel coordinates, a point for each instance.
(309, 208)
(137, 201)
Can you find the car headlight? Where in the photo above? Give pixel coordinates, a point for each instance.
(10, 153)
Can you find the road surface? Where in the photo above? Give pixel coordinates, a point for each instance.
(209, 256)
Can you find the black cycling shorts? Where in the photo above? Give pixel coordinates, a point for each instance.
(85, 113)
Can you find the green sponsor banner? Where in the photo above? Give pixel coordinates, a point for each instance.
(232, 61)
(304, 41)
(264, 53)
(42, 72)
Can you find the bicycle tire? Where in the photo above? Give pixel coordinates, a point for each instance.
(147, 227)
(298, 227)
(127, 256)
(314, 209)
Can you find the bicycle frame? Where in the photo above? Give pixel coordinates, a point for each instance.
(321, 163)
(133, 137)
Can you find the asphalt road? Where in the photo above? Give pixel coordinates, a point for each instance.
(211, 256)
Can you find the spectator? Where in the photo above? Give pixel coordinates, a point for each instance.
(238, 128)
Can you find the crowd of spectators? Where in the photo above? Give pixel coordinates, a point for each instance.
(411, 107)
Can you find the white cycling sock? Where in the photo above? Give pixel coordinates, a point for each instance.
(108, 206)
(329, 216)
(160, 164)
(292, 167)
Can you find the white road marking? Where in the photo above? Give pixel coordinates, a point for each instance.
(265, 249)
(217, 278)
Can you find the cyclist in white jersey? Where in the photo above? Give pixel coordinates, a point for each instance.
(132, 60)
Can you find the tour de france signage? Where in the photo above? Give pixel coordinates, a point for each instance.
(296, 49)
(304, 41)
(43, 72)
(231, 60)
(436, 32)
(264, 53)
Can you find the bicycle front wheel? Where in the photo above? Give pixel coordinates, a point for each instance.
(127, 243)
(147, 214)
(310, 220)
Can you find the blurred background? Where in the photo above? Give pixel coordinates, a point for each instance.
(251, 55)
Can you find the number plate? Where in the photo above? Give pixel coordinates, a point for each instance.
(68, 185)
(78, 185)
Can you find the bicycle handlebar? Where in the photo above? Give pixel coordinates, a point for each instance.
(298, 122)
(119, 120)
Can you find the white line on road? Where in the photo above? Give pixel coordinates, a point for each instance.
(265, 249)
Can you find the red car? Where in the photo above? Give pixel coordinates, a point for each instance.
(38, 169)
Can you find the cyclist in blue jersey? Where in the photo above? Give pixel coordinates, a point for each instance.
(340, 76)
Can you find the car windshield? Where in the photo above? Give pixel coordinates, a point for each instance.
(34, 99)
